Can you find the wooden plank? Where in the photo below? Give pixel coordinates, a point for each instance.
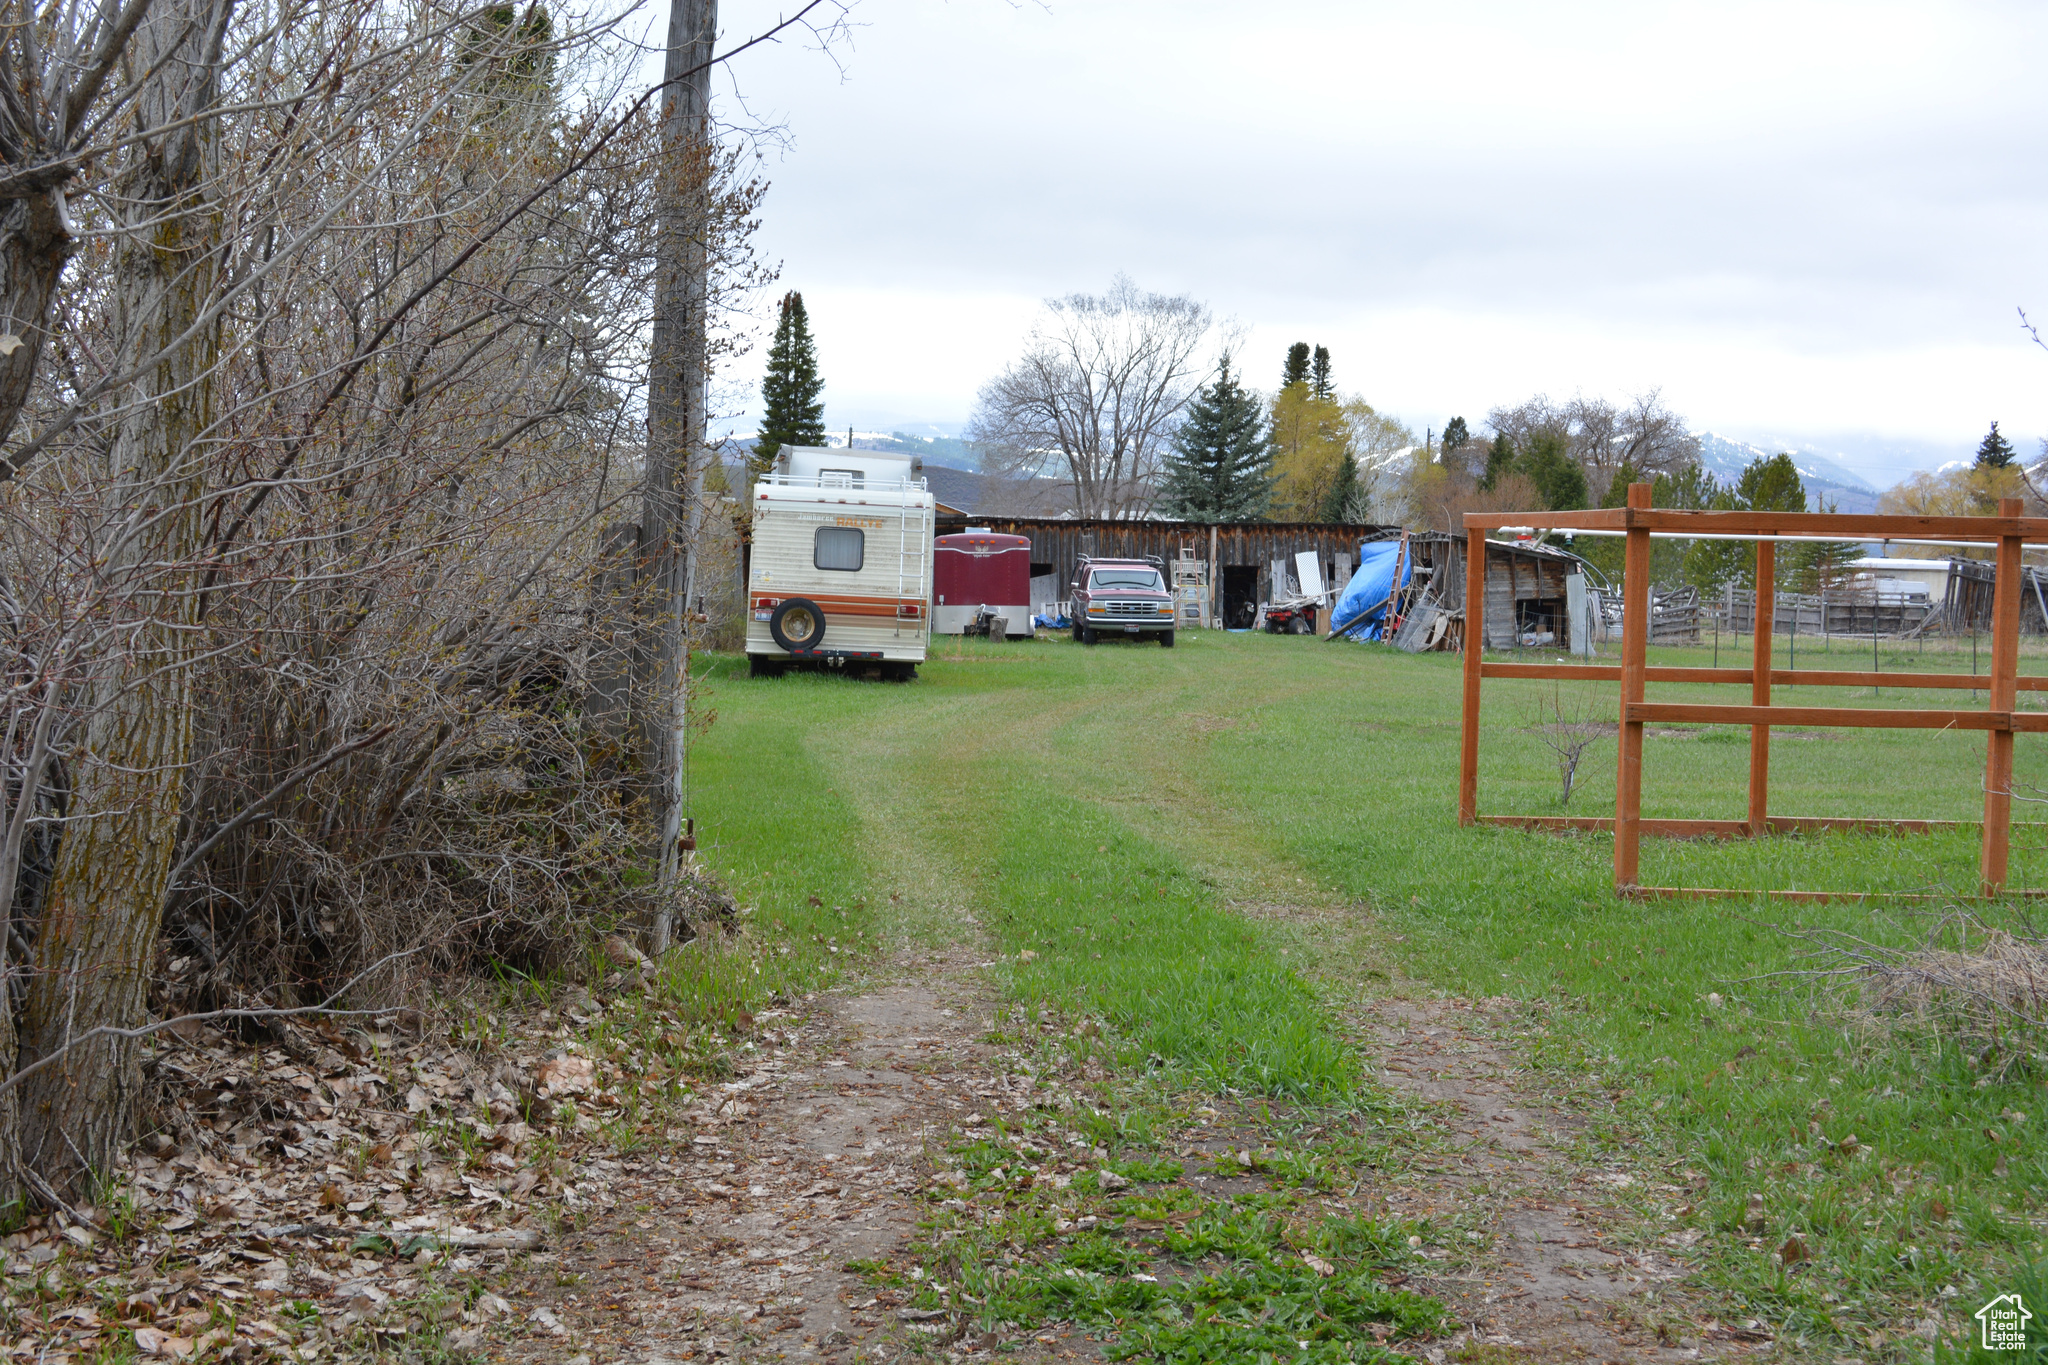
(1733, 829)
(1635, 642)
(1821, 525)
(1761, 675)
(1589, 519)
(1475, 643)
(1838, 717)
(1780, 677)
(1959, 682)
(1657, 829)
(1582, 672)
(1736, 893)
(2005, 665)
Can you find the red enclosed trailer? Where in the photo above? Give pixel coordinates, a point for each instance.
(977, 571)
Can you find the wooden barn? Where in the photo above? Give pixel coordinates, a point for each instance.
(1242, 551)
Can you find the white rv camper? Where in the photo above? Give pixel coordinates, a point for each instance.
(841, 570)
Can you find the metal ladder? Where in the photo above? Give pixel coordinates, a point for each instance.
(1190, 589)
(913, 553)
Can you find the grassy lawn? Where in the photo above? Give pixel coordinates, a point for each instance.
(1111, 821)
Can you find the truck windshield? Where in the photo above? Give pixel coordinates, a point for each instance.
(1144, 579)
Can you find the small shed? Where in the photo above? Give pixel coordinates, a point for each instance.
(1525, 586)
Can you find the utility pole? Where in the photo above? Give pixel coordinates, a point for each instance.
(677, 385)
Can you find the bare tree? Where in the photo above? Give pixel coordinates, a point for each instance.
(1100, 387)
(1651, 437)
(1567, 735)
(299, 517)
(97, 936)
(678, 384)
(1643, 433)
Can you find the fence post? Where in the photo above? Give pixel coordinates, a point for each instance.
(1635, 639)
(2005, 667)
(1475, 641)
(1760, 687)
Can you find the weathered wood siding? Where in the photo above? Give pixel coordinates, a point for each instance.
(1058, 544)
(1514, 574)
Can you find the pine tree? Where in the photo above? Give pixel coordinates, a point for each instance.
(1560, 480)
(1996, 452)
(1500, 459)
(1456, 433)
(1345, 502)
(1220, 465)
(1296, 369)
(1771, 485)
(1319, 382)
(793, 415)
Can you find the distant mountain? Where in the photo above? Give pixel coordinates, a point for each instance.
(1826, 481)
(950, 451)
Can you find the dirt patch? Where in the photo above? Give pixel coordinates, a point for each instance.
(1564, 1275)
(735, 1243)
(737, 1248)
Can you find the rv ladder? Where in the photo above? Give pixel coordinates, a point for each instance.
(911, 556)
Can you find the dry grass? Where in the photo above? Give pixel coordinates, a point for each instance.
(1978, 986)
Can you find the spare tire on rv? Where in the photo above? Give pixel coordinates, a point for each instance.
(798, 625)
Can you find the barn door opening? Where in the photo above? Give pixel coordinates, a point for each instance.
(1240, 595)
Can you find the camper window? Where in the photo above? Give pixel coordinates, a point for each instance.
(839, 547)
(840, 478)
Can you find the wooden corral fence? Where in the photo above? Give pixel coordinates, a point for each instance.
(1971, 597)
(1848, 610)
(1637, 523)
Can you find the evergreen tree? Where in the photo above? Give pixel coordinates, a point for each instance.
(789, 393)
(1456, 433)
(1500, 459)
(1766, 485)
(1817, 565)
(1996, 452)
(1607, 553)
(508, 59)
(1296, 369)
(1771, 485)
(1319, 382)
(1560, 480)
(1220, 465)
(1345, 502)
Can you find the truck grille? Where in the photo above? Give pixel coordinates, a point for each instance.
(1133, 609)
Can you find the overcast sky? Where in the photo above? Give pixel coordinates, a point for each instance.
(1801, 221)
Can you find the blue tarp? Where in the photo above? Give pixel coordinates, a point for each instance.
(1361, 610)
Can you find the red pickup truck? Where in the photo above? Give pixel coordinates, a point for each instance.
(1121, 597)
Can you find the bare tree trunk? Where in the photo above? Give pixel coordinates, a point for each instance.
(97, 938)
(35, 241)
(677, 382)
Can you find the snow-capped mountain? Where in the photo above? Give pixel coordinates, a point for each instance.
(1826, 480)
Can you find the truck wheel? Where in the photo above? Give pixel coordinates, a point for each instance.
(798, 625)
(1166, 639)
(1087, 634)
(763, 667)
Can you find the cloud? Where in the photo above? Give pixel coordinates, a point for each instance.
(1795, 216)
